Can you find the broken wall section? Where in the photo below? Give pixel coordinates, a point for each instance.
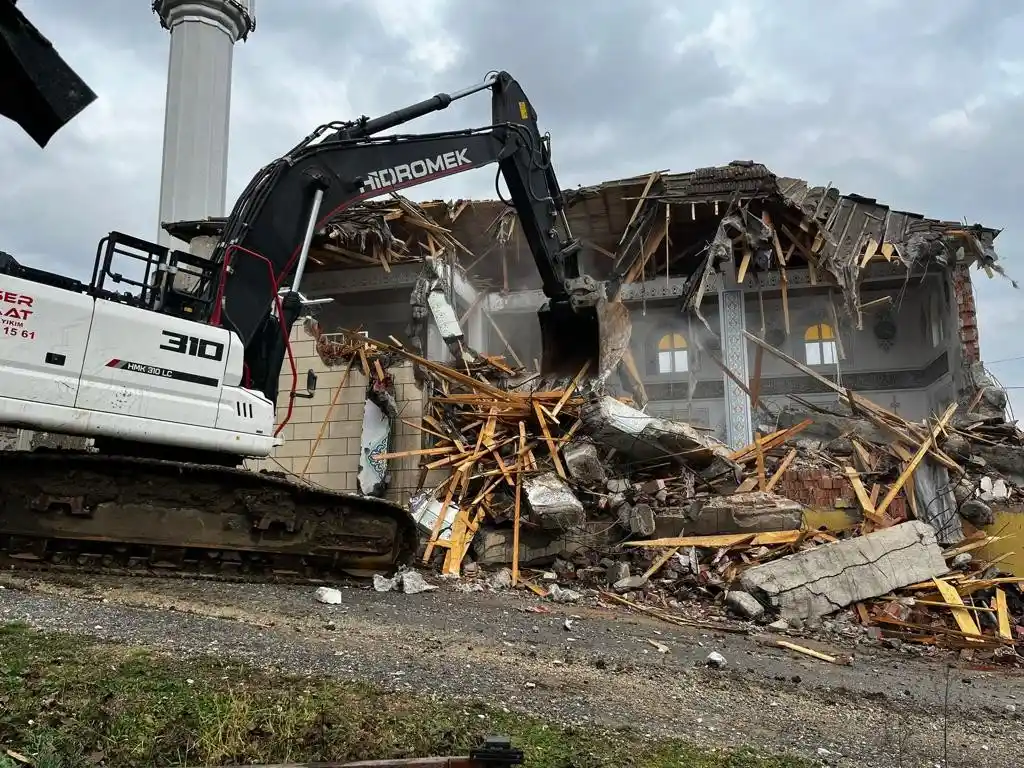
(335, 458)
(824, 489)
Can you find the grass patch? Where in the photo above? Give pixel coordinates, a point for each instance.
(71, 701)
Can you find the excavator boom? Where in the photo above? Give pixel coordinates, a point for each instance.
(340, 165)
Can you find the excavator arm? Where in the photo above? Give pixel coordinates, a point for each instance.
(263, 250)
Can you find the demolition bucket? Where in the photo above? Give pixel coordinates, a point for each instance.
(570, 337)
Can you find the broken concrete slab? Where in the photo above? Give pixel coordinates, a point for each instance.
(583, 463)
(493, 546)
(744, 604)
(553, 504)
(641, 437)
(819, 581)
(977, 512)
(641, 520)
(993, 489)
(617, 572)
(754, 512)
(630, 583)
(827, 427)
(936, 504)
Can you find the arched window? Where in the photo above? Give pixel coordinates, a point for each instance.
(820, 345)
(672, 354)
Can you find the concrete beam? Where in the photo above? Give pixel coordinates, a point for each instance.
(824, 579)
(332, 282)
(660, 288)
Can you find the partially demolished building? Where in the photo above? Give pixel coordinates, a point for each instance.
(801, 423)
(877, 300)
(873, 299)
(858, 296)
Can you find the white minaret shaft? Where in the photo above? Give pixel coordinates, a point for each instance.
(193, 179)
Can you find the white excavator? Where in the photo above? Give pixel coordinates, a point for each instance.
(173, 373)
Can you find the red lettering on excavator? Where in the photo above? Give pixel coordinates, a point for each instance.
(21, 314)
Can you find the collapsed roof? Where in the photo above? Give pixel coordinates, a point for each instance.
(740, 213)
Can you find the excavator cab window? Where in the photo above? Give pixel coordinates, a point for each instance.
(154, 276)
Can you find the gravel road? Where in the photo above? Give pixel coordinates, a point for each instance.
(885, 709)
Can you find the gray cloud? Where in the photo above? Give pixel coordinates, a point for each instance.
(914, 102)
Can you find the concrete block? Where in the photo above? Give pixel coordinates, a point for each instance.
(744, 604)
(583, 463)
(670, 522)
(641, 520)
(824, 579)
(307, 431)
(331, 446)
(746, 513)
(317, 465)
(402, 373)
(293, 448)
(493, 546)
(552, 502)
(301, 414)
(279, 464)
(348, 428)
(343, 463)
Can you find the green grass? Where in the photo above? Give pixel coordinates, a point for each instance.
(71, 701)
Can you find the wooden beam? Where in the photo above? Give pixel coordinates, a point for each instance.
(552, 446)
(717, 541)
(914, 462)
(781, 470)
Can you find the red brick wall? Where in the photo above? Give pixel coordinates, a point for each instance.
(967, 314)
(822, 488)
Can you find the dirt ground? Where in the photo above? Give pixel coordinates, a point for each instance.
(885, 708)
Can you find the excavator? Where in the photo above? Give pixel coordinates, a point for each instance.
(170, 365)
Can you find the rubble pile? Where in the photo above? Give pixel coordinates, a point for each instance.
(383, 233)
(580, 493)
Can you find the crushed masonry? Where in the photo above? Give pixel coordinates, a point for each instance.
(529, 478)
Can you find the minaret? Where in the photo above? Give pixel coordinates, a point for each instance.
(193, 179)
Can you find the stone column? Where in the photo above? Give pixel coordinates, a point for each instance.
(733, 316)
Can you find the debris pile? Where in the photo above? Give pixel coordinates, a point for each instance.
(580, 493)
(383, 233)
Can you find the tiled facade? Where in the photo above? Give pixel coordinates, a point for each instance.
(335, 462)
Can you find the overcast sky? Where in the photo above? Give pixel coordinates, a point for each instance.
(919, 103)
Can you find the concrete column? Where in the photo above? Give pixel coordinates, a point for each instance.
(193, 181)
(437, 350)
(732, 311)
(476, 333)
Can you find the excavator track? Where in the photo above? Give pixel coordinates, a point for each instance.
(90, 513)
